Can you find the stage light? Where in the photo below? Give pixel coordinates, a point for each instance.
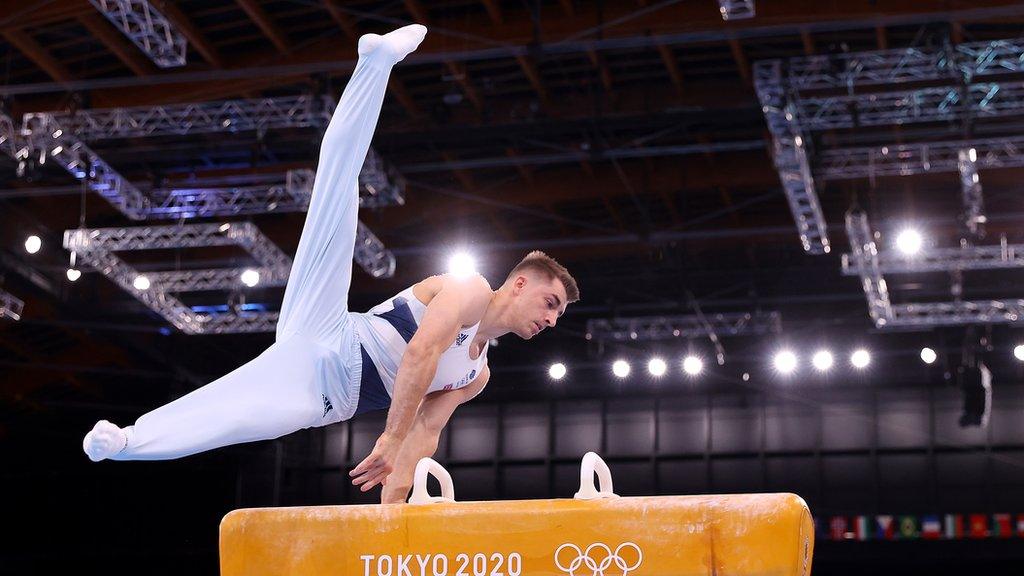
(693, 365)
(657, 367)
(1018, 352)
(74, 274)
(785, 362)
(557, 371)
(250, 277)
(141, 283)
(822, 360)
(860, 358)
(461, 264)
(33, 244)
(620, 368)
(909, 242)
(928, 355)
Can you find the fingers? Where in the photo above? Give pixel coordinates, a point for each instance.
(377, 479)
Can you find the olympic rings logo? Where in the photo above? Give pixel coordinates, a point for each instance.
(595, 563)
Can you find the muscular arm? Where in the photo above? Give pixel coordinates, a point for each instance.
(421, 442)
(459, 302)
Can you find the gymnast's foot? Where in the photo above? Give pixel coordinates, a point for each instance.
(104, 440)
(397, 44)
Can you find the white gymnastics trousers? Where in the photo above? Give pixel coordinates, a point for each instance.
(308, 377)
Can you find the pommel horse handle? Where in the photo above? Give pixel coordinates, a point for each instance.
(419, 484)
(593, 463)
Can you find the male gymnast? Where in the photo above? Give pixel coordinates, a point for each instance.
(419, 354)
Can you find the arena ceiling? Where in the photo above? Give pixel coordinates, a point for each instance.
(625, 138)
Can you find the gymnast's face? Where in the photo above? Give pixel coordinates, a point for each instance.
(538, 303)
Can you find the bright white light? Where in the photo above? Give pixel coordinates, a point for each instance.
(557, 371)
(250, 277)
(1018, 352)
(33, 244)
(225, 227)
(909, 242)
(74, 274)
(693, 365)
(620, 368)
(928, 355)
(972, 154)
(785, 362)
(141, 283)
(860, 358)
(822, 360)
(461, 264)
(657, 367)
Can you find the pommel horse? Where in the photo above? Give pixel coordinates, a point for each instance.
(596, 533)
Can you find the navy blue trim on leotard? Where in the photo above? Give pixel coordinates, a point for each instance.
(401, 318)
(372, 394)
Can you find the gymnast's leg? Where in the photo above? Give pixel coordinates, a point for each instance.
(280, 391)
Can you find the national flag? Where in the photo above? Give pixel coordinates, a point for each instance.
(861, 528)
(1001, 526)
(886, 528)
(954, 526)
(931, 528)
(908, 528)
(837, 527)
(978, 526)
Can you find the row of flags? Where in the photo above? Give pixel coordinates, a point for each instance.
(930, 527)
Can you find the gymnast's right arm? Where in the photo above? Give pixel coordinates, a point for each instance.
(431, 418)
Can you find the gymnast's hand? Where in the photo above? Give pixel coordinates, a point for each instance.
(375, 468)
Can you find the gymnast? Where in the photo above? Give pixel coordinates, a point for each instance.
(419, 354)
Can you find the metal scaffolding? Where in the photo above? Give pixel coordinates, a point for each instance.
(970, 187)
(867, 262)
(197, 118)
(650, 328)
(736, 9)
(10, 306)
(148, 29)
(47, 138)
(919, 158)
(96, 247)
(789, 147)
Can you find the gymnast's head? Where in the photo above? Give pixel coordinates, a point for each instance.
(539, 289)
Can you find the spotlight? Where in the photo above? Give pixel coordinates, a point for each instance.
(860, 358)
(928, 355)
(33, 244)
(620, 368)
(250, 277)
(693, 365)
(461, 264)
(785, 362)
(909, 241)
(657, 367)
(557, 371)
(822, 360)
(141, 283)
(1018, 352)
(74, 274)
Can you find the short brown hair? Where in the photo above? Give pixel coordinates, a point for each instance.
(547, 266)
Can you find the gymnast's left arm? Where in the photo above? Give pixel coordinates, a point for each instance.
(460, 302)
(432, 417)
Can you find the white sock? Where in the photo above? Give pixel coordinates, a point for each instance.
(398, 43)
(104, 440)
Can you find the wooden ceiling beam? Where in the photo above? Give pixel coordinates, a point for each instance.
(195, 37)
(266, 24)
(38, 55)
(668, 57)
(116, 42)
(342, 19)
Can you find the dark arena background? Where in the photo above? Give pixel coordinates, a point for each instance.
(797, 222)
